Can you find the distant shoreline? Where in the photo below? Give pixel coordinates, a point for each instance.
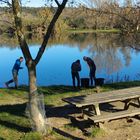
(93, 31)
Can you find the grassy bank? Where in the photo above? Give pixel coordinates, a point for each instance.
(14, 124)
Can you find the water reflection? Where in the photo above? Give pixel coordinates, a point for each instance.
(117, 57)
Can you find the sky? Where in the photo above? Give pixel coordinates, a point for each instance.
(34, 3)
(30, 3)
(40, 3)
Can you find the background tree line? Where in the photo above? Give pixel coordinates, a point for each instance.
(108, 15)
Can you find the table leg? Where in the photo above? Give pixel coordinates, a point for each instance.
(98, 112)
(126, 106)
(82, 111)
(139, 101)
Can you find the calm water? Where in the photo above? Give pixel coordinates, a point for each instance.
(116, 61)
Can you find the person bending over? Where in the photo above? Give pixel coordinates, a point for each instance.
(75, 68)
(92, 68)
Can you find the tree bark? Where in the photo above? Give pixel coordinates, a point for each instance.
(36, 103)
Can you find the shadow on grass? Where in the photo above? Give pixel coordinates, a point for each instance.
(13, 110)
(82, 124)
(51, 90)
(2, 138)
(15, 126)
(65, 134)
(16, 109)
(62, 111)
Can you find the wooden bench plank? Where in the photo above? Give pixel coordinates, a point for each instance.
(116, 115)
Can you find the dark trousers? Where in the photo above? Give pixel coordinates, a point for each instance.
(92, 75)
(75, 75)
(15, 79)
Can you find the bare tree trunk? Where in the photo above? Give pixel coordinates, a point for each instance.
(36, 103)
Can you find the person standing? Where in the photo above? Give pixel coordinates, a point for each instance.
(92, 68)
(15, 71)
(75, 68)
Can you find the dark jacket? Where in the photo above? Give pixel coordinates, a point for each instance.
(75, 67)
(91, 63)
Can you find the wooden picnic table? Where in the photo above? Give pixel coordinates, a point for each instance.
(95, 99)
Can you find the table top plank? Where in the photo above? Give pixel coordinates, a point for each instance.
(104, 97)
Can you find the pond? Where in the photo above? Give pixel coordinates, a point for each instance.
(117, 59)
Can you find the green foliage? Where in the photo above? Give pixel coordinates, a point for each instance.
(78, 23)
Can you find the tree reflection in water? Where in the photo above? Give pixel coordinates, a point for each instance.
(115, 55)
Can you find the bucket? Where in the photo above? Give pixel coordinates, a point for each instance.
(84, 82)
(99, 81)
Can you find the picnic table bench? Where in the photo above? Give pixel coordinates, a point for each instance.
(89, 104)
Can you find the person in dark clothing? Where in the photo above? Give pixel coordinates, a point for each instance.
(75, 68)
(92, 68)
(15, 71)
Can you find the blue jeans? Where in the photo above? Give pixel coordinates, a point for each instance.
(75, 75)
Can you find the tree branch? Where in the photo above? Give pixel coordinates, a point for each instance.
(18, 24)
(57, 3)
(49, 30)
(108, 12)
(7, 2)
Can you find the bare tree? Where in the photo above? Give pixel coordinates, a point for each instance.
(35, 111)
(126, 17)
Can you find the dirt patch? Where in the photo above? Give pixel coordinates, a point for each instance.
(67, 122)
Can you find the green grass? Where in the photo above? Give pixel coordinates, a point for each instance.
(95, 132)
(70, 127)
(32, 136)
(14, 125)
